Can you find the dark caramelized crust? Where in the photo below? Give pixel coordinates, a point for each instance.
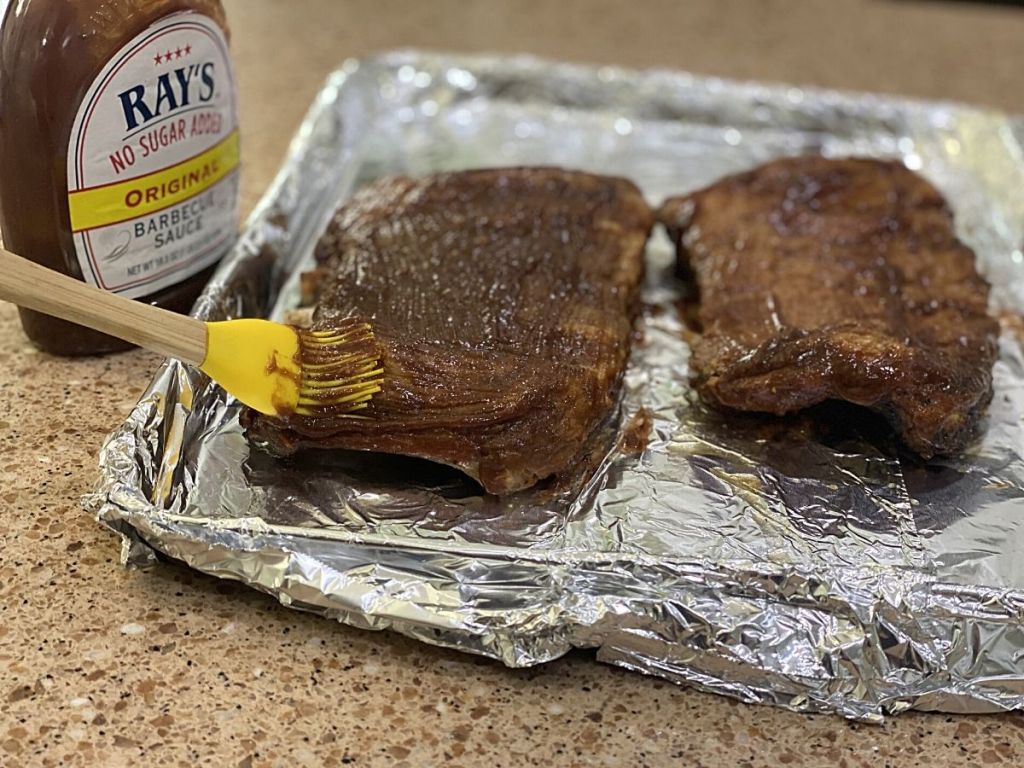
(838, 279)
(502, 302)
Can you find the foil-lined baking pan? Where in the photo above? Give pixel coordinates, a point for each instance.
(786, 561)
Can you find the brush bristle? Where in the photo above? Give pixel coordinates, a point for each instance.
(341, 370)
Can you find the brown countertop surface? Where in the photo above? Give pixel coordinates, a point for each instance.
(104, 666)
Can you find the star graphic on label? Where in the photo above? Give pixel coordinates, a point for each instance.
(158, 58)
(167, 56)
(188, 49)
(177, 53)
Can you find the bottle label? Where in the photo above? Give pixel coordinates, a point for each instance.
(153, 159)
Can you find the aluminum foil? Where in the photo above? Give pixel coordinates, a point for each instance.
(786, 561)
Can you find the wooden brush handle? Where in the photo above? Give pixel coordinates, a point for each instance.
(30, 285)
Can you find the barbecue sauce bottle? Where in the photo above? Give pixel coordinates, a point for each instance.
(118, 150)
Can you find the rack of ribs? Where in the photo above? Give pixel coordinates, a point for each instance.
(825, 279)
(502, 304)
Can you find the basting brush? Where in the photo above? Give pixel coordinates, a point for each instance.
(276, 369)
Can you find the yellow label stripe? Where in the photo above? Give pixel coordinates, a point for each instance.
(141, 196)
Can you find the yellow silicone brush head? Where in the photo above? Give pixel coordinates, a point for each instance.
(280, 370)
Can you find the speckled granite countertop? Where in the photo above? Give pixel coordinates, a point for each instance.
(100, 666)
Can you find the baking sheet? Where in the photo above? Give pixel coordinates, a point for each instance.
(775, 560)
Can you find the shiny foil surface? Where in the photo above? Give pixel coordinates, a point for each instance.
(802, 562)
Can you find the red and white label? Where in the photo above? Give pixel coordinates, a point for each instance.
(153, 159)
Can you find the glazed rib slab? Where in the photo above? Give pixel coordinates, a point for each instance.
(502, 302)
(824, 279)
